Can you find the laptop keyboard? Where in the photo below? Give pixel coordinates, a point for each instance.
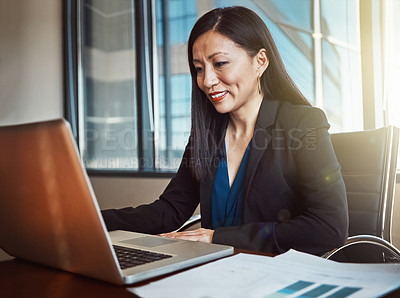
(131, 257)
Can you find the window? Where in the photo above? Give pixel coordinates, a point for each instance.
(133, 84)
(108, 113)
(391, 61)
(172, 107)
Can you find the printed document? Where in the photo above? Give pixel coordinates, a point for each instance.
(292, 274)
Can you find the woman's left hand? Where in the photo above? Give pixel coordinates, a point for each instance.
(202, 235)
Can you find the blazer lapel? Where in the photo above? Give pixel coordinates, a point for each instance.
(205, 189)
(263, 132)
(262, 137)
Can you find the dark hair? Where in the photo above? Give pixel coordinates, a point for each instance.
(247, 30)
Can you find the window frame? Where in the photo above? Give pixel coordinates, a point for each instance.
(145, 69)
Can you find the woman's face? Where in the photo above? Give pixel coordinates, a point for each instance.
(226, 73)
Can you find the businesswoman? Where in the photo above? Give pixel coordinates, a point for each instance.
(259, 159)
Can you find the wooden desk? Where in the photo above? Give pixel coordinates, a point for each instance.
(24, 279)
(20, 279)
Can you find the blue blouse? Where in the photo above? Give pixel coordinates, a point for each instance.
(227, 201)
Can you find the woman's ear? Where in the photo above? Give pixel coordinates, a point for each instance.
(262, 61)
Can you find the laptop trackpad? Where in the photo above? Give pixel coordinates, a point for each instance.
(148, 241)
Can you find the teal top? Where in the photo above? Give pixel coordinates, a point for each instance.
(227, 201)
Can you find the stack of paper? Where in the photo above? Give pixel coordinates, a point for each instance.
(292, 274)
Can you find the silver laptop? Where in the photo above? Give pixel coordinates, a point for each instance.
(49, 214)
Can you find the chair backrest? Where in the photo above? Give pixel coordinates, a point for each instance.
(368, 160)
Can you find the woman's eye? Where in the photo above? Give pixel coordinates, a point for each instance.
(198, 69)
(220, 64)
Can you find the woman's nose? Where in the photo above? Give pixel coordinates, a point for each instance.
(210, 78)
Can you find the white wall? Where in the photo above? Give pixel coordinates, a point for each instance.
(122, 192)
(30, 61)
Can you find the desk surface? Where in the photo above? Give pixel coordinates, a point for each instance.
(25, 279)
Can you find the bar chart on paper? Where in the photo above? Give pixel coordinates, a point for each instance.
(289, 275)
(307, 289)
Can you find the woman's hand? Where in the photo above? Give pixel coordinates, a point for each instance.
(202, 235)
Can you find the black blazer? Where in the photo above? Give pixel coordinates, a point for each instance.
(294, 194)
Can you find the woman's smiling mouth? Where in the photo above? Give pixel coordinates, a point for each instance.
(218, 96)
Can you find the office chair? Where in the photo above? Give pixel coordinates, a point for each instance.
(368, 160)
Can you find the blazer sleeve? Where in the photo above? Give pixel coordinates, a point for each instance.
(322, 222)
(176, 204)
